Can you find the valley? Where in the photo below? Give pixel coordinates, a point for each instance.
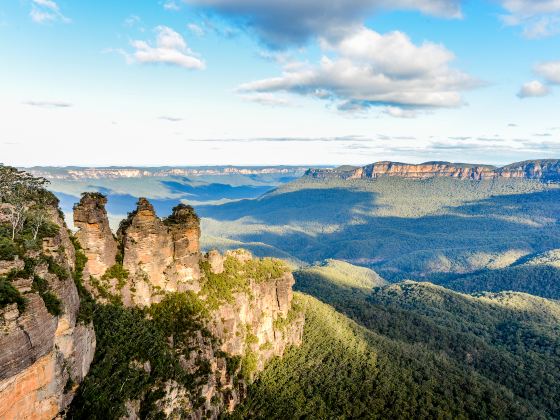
(429, 298)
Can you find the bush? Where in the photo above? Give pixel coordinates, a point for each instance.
(117, 272)
(9, 294)
(8, 249)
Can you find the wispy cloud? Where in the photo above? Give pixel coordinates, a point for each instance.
(170, 119)
(549, 72)
(48, 104)
(268, 99)
(537, 18)
(171, 5)
(43, 11)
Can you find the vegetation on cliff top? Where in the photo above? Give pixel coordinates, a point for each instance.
(236, 277)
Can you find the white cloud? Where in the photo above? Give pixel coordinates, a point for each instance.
(170, 48)
(280, 23)
(549, 71)
(196, 29)
(538, 18)
(171, 5)
(48, 104)
(268, 99)
(132, 21)
(43, 11)
(369, 69)
(533, 89)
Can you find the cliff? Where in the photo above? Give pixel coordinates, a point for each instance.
(542, 170)
(240, 311)
(46, 350)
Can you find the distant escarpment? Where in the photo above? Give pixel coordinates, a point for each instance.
(547, 170)
(76, 173)
(47, 341)
(184, 332)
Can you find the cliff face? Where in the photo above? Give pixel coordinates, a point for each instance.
(543, 170)
(94, 234)
(45, 351)
(248, 311)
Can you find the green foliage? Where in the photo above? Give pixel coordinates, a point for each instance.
(128, 338)
(237, 275)
(249, 364)
(539, 280)
(509, 341)
(8, 249)
(9, 294)
(342, 370)
(178, 314)
(117, 272)
(55, 268)
(87, 303)
(53, 303)
(400, 228)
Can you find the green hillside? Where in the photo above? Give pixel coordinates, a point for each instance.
(415, 350)
(511, 338)
(403, 229)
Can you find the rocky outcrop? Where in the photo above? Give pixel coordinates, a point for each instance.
(542, 170)
(44, 355)
(160, 256)
(248, 312)
(94, 234)
(547, 170)
(246, 331)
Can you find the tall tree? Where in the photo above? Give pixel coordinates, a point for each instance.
(19, 190)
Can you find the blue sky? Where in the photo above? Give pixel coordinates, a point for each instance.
(252, 82)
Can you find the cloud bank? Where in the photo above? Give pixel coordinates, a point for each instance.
(289, 22)
(366, 69)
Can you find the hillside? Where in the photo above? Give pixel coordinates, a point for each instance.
(414, 350)
(403, 229)
(344, 370)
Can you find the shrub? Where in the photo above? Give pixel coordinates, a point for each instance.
(8, 249)
(9, 294)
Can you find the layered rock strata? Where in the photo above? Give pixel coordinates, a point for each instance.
(542, 170)
(43, 356)
(252, 320)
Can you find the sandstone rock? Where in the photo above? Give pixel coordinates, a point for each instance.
(94, 234)
(543, 170)
(160, 255)
(216, 261)
(7, 266)
(41, 353)
(242, 255)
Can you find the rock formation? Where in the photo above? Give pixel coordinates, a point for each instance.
(94, 234)
(44, 356)
(542, 170)
(249, 311)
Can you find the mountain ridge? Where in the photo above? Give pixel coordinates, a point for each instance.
(545, 170)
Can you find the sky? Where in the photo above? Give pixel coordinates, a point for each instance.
(269, 82)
